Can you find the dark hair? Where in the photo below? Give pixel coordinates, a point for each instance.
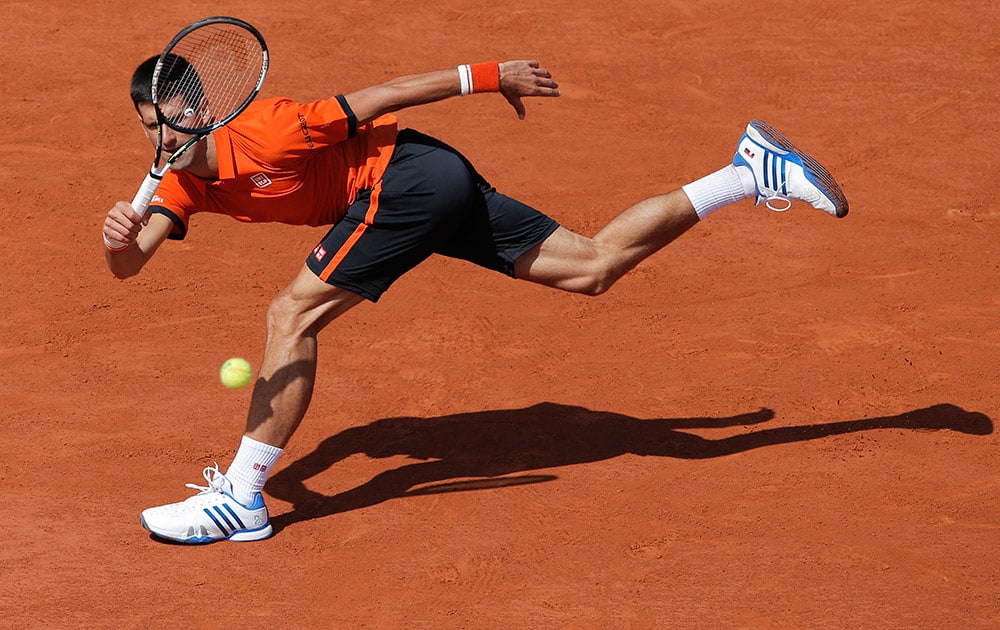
(142, 82)
(178, 77)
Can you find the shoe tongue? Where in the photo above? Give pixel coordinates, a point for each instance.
(220, 483)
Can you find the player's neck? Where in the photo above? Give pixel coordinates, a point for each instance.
(205, 163)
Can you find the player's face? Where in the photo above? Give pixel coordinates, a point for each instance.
(172, 140)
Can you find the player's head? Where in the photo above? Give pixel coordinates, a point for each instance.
(181, 99)
(178, 80)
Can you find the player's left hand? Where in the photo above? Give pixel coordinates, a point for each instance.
(525, 78)
(122, 226)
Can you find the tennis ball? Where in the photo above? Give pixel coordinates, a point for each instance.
(236, 373)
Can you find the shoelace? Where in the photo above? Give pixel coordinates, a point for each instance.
(776, 197)
(217, 482)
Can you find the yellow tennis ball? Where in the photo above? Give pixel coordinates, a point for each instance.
(236, 373)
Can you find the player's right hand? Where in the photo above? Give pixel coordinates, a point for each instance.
(121, 226)
(525, 78)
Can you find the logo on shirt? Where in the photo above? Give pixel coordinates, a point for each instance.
(319, 253)
(305, 131)
(260, 180)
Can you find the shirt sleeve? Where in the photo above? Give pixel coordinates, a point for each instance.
(177, 199)
(281, 128)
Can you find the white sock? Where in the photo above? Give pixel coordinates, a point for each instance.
(721, 188)
(250, 468)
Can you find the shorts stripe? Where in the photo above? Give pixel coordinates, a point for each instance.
(358, 232)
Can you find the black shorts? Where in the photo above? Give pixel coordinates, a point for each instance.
(430, 201)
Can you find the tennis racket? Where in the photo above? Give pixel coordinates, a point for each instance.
(207, 75)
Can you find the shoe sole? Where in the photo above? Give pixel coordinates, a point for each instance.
(247, 535)
(819, 176)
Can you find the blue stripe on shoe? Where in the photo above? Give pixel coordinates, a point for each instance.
(233, 514)
(219, 511)
(217, 523)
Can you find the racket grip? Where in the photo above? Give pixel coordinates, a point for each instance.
(146, 191)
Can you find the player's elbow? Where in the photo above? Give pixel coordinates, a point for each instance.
(120, 269)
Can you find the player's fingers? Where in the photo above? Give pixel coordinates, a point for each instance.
(548, 84)
(543, 81)
(122, 224)
(541, 86)
(114, 237)
(119, 230)
(125, 210)
(525, 78)
(518, 106)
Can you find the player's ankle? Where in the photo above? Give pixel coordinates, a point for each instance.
(718, 190)
(749, 183)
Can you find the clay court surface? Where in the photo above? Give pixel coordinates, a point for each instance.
(780, 421)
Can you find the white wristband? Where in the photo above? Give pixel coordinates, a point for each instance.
(465, 76)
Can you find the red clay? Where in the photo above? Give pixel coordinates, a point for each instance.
(782, 420)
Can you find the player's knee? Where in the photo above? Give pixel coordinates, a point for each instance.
(284, 317)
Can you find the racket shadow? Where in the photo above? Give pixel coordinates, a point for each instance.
(495, 449)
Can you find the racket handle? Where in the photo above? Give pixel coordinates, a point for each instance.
(146, 191)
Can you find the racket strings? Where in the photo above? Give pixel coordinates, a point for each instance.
(208, 76)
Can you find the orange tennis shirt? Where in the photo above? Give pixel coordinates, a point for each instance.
(284, 162)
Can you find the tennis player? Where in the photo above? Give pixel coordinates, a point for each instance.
(393, 197)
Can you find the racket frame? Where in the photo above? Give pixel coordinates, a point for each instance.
(142, 199)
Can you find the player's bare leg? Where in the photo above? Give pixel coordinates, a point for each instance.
(767, 167)
(572, 262)
(231, 506)
(287, 374)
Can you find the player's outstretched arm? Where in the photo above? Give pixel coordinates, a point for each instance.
(514, 79)
(134, 240)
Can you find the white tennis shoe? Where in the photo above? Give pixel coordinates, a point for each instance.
(783, 173)
(212, 514)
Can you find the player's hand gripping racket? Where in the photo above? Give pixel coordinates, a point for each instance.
(205, 78)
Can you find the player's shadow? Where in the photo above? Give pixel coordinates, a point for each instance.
(476, 450)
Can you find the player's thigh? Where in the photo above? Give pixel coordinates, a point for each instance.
(309, 303)
(496, 230)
